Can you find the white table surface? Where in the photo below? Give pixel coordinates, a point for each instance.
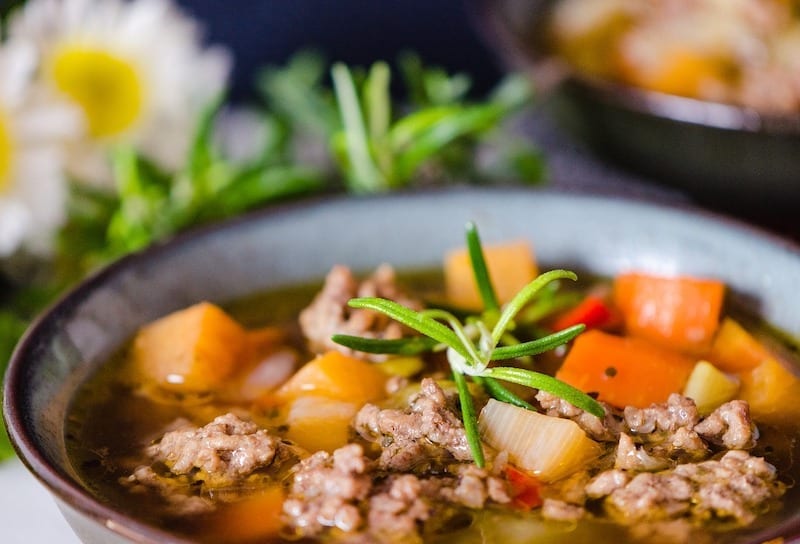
(28, 513)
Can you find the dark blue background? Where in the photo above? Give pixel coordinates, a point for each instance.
(443, 32)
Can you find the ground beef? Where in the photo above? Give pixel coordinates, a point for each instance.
(677, 412)
(736, 487)
(556, 510)
(326, 491)
(603, 430)
(399, 507)
(607, 482)
(188, 463)
(220, 453)
(348, 491)
(474, 487)
(329, 314)
(177, 493)
(730, 426)
(629, 456)
(428, 431)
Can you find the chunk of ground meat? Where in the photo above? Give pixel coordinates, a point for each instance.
(326, 491)
(730, 426)
(347, 491)
(603, 430)
(678, 411)
(556, 510)
(651, 496)
(736, 487)
(399, 507)
(177, 493)
(629, 456)
(221, 453)
(428, 431)
(474, 487)
(329, 314)
(606, 483)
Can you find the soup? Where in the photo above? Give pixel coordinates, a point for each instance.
(734, 52)
(312, 416)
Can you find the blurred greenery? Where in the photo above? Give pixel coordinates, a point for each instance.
(325, 128)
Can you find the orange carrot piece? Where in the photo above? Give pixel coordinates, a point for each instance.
(624, 371)
(772, 391)
(194, 349)
(252, 519)
(736, 350)
(511, 266)
(679, 312)
(337, 376)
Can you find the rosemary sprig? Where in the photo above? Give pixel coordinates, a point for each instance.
(471, 347)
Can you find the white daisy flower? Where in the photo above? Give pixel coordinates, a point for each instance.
(135, 68)
(32, 132)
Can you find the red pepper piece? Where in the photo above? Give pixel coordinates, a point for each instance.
(524, 488)
(593, 312)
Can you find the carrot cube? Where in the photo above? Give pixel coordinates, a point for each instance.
(678, 312)
(511, 266)
(194, 349)
(337, 376)
(772, 391)
(736, 350)
(624, 371)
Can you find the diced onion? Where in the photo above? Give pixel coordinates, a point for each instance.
(549, 447)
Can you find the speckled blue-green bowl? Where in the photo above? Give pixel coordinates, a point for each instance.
(298, 243)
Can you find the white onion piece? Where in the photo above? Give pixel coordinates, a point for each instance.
(271, 372)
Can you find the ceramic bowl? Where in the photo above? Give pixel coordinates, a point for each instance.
(726, 156)
(300, 242)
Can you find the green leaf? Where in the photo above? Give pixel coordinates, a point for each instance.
(462, 122)
(499, 392)
(540, 345)
(470, 419)
(524, 296)
(413, 320)
(528, 378)
(480, 270)
(399, 346)
(295, 93)
(364, 175)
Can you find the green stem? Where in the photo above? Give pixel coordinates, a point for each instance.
(469, 418)
(480, 270)
(366, 176)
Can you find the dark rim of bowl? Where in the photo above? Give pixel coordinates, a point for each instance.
(78, 497)
(553, 72)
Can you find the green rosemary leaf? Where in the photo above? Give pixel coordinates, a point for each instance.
(499, 392)
(414, 320)
(546, 306)
(524, 296)
(547, 383)
(399, 346)
(365, 174)
(540, 345)
(469, 418)
(479, 269)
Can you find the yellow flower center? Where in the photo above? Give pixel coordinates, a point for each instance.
(6, 153)
(107, 87)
